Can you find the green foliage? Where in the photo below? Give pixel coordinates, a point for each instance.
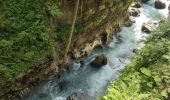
(24, 35)
(63, 30)
(147, 77)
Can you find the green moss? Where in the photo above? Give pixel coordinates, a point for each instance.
(147, 76)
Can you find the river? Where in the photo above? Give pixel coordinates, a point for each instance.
(93, 81)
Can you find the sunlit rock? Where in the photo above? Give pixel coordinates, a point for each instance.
(160, 4)
(129, 22)
(136, 5)
(134, 12)
(149, 26)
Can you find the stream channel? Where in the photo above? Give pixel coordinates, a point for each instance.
(93, 81)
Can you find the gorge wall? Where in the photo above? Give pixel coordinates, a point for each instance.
(97, 22)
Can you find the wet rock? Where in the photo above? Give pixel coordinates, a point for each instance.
(136, 5)
(82, 63)
(43, 95)
(69, 66)
(145, 1)
(99, 61)
(149, 26)
(134, 12)
(63, 85)
(159, 4)
(118, 38)
(79, 96)
(128, 23)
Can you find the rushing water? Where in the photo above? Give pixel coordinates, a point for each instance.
(94, 81)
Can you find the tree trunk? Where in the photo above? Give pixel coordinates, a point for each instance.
(71, 31)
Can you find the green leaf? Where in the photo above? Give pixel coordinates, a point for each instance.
(54, 11)
(166, 57)
(145, 71)
(157, 78)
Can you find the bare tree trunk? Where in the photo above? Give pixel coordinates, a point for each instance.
(71, 31)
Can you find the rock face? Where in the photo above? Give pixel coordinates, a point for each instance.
(160, 4)
(101, 20)
(99, 61)
(149, 26)
(79, 96)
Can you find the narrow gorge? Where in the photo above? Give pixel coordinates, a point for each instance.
(76, 49)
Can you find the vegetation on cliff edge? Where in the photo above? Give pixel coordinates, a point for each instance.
(147, 77)
(25, 35)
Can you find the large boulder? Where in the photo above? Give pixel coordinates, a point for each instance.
(134, 12)
(160, 4)
(79, 96)
(99, 61)
(149, 26)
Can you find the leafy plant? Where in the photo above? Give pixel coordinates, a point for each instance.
(147, 77)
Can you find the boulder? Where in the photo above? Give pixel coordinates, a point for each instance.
(79, 96)
(145, 1)
(159, 4)
(129, 22)
(134, 12)
(99, 61)
(136, 5)
(149, 26)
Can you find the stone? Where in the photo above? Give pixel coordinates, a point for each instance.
(136, 5)
(149, 26)
(79, 96)
(99, 61)
(134, 12)
(145, 1)
(118, 38)
(128, 23)
(159, 4)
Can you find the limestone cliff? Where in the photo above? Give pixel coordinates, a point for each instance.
(100, 20)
